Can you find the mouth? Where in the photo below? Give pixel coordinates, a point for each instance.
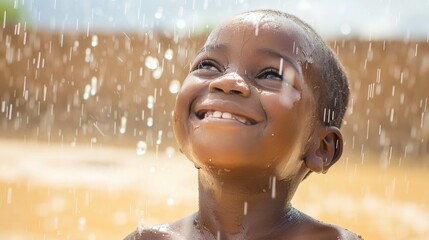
(212, 114)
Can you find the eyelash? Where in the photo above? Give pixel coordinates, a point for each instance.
(262, 75)
(207, 62)
(273, 71)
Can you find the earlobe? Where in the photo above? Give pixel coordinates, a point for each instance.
(314, 163)
(326, 151)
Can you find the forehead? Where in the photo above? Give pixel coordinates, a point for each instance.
(258, 29)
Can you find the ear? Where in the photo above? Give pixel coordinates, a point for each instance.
(325, 151)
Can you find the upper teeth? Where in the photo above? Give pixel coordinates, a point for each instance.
(226, 115)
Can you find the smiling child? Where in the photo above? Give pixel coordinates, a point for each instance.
(258, 112)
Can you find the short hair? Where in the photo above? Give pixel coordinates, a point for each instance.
(332, 85)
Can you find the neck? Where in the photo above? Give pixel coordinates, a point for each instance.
(242, 206)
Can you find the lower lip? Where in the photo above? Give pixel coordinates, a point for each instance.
(221, 122)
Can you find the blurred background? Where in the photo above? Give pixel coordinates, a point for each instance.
(87, 90)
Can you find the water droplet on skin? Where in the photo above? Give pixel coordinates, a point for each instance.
(288, 91)
(174, 86)
(273, 187)
(141, 148)
(151, 62)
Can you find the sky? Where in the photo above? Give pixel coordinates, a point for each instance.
(362, 18)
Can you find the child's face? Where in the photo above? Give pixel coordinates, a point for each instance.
(245, 104)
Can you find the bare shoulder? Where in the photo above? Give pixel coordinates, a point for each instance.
(179, 230)
(160, 232)
(310, 228)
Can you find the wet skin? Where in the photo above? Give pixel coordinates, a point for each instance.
(255, 69)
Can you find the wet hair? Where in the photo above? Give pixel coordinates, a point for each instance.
(331, 87)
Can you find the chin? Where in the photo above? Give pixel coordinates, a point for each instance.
(222, 156)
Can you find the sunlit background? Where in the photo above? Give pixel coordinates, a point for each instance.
(87, 90)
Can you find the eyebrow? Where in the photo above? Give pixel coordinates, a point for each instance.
(213, 47)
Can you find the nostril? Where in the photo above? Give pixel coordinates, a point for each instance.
(216, 89)
(235, 92)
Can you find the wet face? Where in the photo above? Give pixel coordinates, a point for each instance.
(245, 105)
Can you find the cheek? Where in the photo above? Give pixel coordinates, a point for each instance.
(285, 121)
(191, 88)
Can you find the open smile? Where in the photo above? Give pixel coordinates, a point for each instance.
(212, 114)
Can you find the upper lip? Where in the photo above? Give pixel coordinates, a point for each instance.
(225, 106)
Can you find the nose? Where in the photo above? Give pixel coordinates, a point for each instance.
(230, 83)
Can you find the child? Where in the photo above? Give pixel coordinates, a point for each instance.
(259, 110)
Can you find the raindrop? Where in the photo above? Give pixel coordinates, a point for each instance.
(151, 62)
(9, 195)
(245, 209)
(150, 102)
(149, 121)
(93, 85)
(159, 140)
(88, 55)
(345, 29)
(180, 24)
(94, 41)
(157, 73)
(87, 91)
(174, 86)
(169, 54)
(82, 223)
(56, 222)
(141, 148)
(170, 201)
(123, 127)
(273, 187)
(159, 12)
(170, 151)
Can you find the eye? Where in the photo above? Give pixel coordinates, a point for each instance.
(270, 74)
(208, 65)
